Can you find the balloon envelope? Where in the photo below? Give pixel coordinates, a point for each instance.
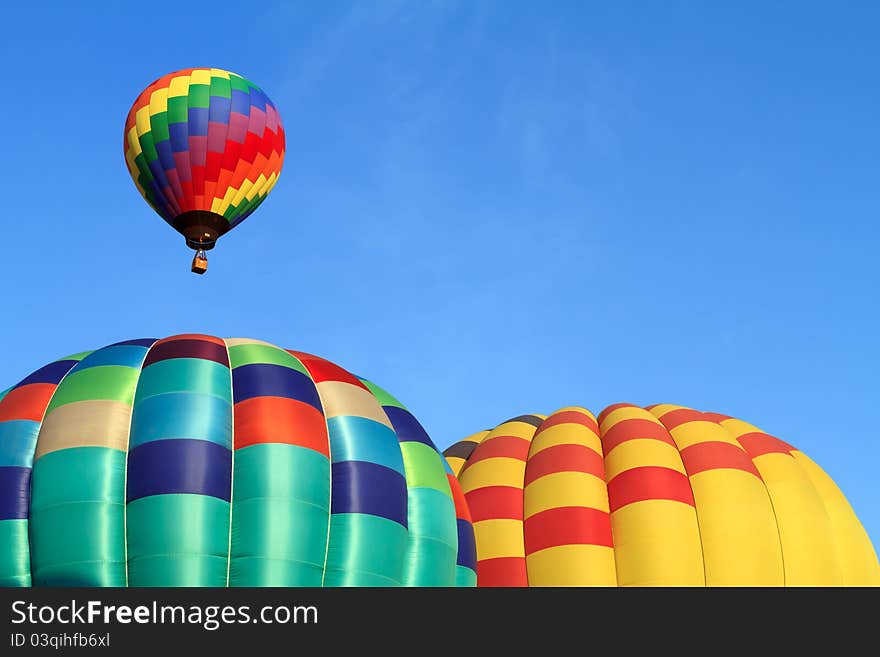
(198, 461)
(657, 496)
(204, 147)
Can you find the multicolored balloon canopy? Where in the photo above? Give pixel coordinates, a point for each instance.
(198, 461)
(204, 147)
(657, 496)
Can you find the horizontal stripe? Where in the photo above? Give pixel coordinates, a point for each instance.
(467, 546)
(501, 446)
(568, 525)
(701, 431)
(716, 417)
(634, 428)
(17, 441)
(423, 469)
(502, 571)
(679, 416)
(26, 403)
(248, 352)
(15, 487)
(359, 487)
(107, 382)
(406, 426)
(344, 399)
(361, 439)
(179, 466)
(572, 565)
(564, 458)
(323, 370)
(533, 420)
(570, 417)
(279, 420)
(187, 349)
(642, 452)
(51, 373)
(494, 502)
(193, 375)
(513, 428)
(140, 342)
(266, 380)
(499, 537)
(461, 450)
(182, 415)
(382, 396)
(613, 408)
(713, 455)
(565, 434)
(565, 489)
(98, 423)
(492, 472)
(121, 355)
(648, 483)
(757, 444)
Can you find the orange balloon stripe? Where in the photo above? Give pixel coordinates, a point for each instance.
(570, 417)
(564, 458)
(633, 428)
(280, 420)
(713, 455)
(192, 336)
(495, 502)
(567, 525)
(610, 409)
(502, 571)
(648, 482)
(758, 443)
(679, 416)
(27, 402)
(462, 512)
(501, 446)
(323, 370)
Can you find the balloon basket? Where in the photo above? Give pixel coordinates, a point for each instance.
(199, 264)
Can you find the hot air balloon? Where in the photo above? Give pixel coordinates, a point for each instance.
(197, 461)
(657, 496)
(204, 147)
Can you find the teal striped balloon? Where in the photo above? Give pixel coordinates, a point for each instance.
(198, 461)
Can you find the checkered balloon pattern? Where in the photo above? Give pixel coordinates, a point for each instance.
(204, 139)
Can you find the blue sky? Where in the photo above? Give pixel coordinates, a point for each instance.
(489, 208)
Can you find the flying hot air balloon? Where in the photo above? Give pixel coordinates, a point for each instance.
(204, 147)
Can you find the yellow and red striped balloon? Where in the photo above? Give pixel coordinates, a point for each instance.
(657, 496)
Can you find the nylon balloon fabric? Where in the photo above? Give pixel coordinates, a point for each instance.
(656, 496)
(204, 139)
(198, 461)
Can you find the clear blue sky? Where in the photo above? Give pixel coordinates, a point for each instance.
(489, 208)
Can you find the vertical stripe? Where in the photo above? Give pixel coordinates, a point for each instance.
(653, 520)
(78, 503)
(179, 465)
(432, 543)
(808, 552)
(368, 522)
(281, 473)
(21, 414)
(740, 542)
(492, 482)
(567, 526)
